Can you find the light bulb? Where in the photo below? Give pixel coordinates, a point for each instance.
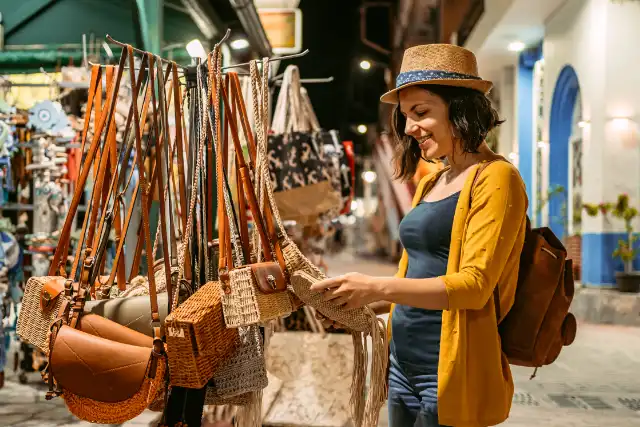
(362, 129)
(239, 44)
(195, 49)
(365, 65)
(516, 46)
(369, 176)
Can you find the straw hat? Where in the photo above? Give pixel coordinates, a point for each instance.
(438, 64)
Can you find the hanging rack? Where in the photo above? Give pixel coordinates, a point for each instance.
(272, 59)
(278, 80)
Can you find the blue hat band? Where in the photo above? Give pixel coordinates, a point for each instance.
(426, 75)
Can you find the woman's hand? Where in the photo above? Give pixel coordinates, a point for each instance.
(352, 290)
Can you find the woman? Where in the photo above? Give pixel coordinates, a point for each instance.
(463, 238)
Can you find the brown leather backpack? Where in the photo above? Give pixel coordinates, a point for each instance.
(538, 324)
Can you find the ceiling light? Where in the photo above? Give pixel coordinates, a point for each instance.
(621, 123)
(582, 124)
(369, 176)
(365, 65)
(239, 44)
(195, 49)
(362, 129)
(516, 46)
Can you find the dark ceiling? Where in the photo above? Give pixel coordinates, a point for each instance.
(331, 32)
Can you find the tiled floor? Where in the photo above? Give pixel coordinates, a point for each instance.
(594, 383)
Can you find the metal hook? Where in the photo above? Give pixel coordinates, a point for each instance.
(278, 80)
(275, 58)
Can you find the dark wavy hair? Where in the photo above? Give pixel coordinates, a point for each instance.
(470, 113)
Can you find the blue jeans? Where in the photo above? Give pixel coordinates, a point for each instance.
(413, 395)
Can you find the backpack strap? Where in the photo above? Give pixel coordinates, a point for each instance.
(496, 290)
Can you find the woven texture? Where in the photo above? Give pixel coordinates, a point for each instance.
(117, 412)
(361, 322)
(246, 305)
(316, 373)
(441, 64)
(34, 323)
(245, 370)
(197, 340)
(356, 319)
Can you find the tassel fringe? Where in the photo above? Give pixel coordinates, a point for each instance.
(366, 405)
(251, 414)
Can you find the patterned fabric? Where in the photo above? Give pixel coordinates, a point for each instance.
(426, 75)
(294, 161)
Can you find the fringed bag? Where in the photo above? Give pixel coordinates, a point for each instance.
(361, 322)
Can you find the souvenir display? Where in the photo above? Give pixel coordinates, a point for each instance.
(170, 306)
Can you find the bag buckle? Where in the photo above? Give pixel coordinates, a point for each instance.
(271, 280)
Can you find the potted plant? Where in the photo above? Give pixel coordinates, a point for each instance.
(627, 280)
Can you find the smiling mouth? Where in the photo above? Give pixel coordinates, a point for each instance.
(423, 142)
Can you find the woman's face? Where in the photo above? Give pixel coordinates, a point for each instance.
(428, 122)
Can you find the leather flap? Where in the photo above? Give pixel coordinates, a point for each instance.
(50, 291)
(269, 277)
(132, 312)
(110, 330)
(96, 368)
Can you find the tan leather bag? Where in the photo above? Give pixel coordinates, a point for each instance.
(111, 375)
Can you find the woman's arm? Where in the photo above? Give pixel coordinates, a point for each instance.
(493, 231)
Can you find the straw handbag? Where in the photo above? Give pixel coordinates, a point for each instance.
(361, 322)
(254, 292)
(297, 169)
(315, 370)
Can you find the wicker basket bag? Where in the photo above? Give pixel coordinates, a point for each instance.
(41, 304)
(254, 292)
(198, 342)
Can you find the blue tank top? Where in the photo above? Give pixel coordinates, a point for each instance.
(425, 233)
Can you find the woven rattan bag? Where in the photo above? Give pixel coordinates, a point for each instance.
(361, 322)
(254, 292)
(198, 342)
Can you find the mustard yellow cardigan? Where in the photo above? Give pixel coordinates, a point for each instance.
(475, 387)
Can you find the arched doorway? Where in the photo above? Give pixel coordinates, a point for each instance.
(564, 129)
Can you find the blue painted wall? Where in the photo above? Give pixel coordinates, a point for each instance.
(561, 121)
(526, 144)
(598, 266)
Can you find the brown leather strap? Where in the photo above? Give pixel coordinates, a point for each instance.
(115, 182)
(57, 264)
(268, 214)
(102, 160)
(140, 242)
(155, 316)
(178, 114)
(246, 182)
(96, 77)
(161, 139)
(95, 166)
